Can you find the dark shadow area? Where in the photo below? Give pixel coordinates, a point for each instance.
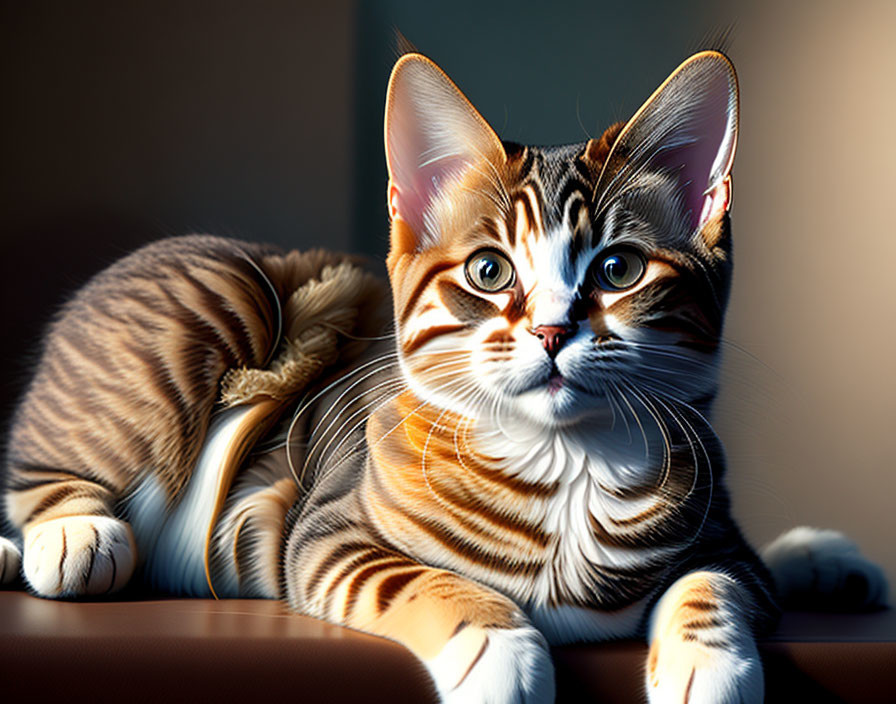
(126, 122)
(43, 264)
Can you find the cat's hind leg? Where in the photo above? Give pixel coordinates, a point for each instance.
(702, 647)
(73, 544)
(79, 556)
(124, 389)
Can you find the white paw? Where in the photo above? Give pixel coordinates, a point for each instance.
(494, 666)
(691, 673)
(824, 569)
(79, 555)
(10, 561)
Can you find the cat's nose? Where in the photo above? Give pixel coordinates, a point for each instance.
(552, 336)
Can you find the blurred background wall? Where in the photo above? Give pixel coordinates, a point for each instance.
(124, 122)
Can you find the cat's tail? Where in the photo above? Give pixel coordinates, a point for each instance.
(822, 570)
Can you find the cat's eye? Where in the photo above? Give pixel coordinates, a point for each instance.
(489, 271)
(620, 269)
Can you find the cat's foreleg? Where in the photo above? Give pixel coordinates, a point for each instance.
(477, 644)
(73, 544)
(702, 647)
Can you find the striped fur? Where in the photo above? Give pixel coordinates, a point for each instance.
(510, 468)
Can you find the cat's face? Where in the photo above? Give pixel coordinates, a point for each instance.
(560, 283)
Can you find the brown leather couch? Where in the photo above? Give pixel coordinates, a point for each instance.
(150, 650)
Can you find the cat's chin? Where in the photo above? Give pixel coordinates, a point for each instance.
(554, 407)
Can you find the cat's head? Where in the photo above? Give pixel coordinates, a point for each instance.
(555, 282)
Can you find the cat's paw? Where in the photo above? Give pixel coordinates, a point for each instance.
(682, 671)
(816, 568)
(494, 666)
(79, 556)
(10, 561)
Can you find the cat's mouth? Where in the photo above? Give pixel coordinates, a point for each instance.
(555, 382)
(553, 398)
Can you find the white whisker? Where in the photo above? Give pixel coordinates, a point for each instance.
(306, 405)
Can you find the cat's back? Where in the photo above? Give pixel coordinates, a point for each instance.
(140, 342)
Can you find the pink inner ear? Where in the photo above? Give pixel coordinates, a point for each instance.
(432, 135)
(693, 162)
(410, 198)
(697, 120)
(416, 187)
(717, 201)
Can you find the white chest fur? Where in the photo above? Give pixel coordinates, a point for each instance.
(587, 469)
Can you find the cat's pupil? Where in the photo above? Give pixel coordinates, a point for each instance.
(489, 270)
(615, 268)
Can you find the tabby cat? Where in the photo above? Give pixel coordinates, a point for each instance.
(525, 460)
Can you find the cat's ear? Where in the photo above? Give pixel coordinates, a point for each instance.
(688, 128)
(432, 134)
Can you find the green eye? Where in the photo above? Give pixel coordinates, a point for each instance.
(489, 271)
(620, 270)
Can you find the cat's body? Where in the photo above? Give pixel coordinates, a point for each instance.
(527, 460)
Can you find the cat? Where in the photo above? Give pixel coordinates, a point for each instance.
(525, 460)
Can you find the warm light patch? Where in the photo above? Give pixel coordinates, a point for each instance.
(536, 209)
(393, 201)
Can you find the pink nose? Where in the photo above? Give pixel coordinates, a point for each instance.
(552, 336)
